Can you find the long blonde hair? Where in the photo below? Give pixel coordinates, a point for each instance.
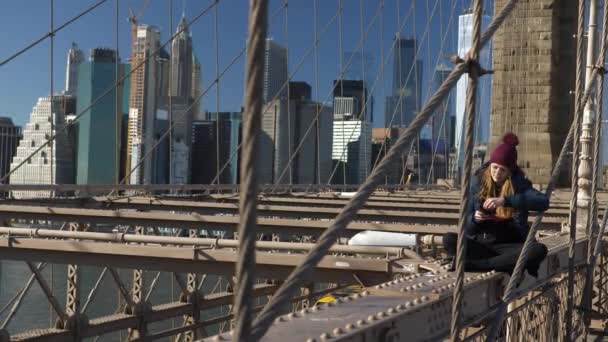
(489, 189)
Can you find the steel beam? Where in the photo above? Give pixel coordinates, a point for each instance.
(414, 308)
(195, 221)
(178, 259)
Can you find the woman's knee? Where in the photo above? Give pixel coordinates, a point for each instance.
(538, 252)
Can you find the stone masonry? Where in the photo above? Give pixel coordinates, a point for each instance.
(534, 60)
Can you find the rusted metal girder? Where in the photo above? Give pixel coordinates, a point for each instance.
(414, 308)
(160, 219)
(196, 221)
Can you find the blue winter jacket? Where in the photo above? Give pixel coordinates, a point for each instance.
(525, 199)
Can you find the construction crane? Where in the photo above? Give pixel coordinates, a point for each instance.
(133, 19)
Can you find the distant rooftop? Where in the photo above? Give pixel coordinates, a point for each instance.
(6, 121)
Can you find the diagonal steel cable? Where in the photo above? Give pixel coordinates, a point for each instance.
(245, 267)
(465, 191)
(593, 228)
(52, 32)
(327, 239)
(109, 90)
(576, 160)
(510, 293)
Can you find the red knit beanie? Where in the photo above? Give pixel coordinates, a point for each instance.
(505, 153)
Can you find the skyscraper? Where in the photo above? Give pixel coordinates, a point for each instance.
(275, 71)
(54, 163)
(98, 157)
(285, 124)
(484, 86)
(402, 104)
(355, 90)
(75, 57)
(362, 67)
(197, 88)
(181, 62)
(440, 121)
(142, 104)
(9, 138)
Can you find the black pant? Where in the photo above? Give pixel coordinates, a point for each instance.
(482, 256)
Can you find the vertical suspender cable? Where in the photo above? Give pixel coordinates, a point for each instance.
(465, 202)
(117, 107)
(318, 108)
(170, 102)
(340, 78)
(364, 95)
(580, 66)
(288, 100)
(245, 268)
(217, 94)
(595, 230)
(52, 180)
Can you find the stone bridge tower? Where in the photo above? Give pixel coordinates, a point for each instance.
(534, 57)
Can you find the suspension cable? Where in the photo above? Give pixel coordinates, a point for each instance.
(327, 239)
(510, 293)
(465, 191)
(52, 32)
(109, 90)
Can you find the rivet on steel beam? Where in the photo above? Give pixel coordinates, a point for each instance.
(377, 287)
(292, 315)
(304, 311)
(279, 319)
(218, 338)
(338, 331)
(424, 299)
(408, 304)
(381, 314)
(416, 301)
(349, 327)
(310, 339)
(400, 307)
(435, 291)
(325, 337)
(390, 311)
(371, 318)
(365, 293)
(360, 322)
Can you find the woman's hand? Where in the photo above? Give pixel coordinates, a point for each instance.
(480, 216)
(493, 203)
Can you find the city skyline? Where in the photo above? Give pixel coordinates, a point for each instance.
(231, 37)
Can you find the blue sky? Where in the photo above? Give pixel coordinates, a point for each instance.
(27, 77)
